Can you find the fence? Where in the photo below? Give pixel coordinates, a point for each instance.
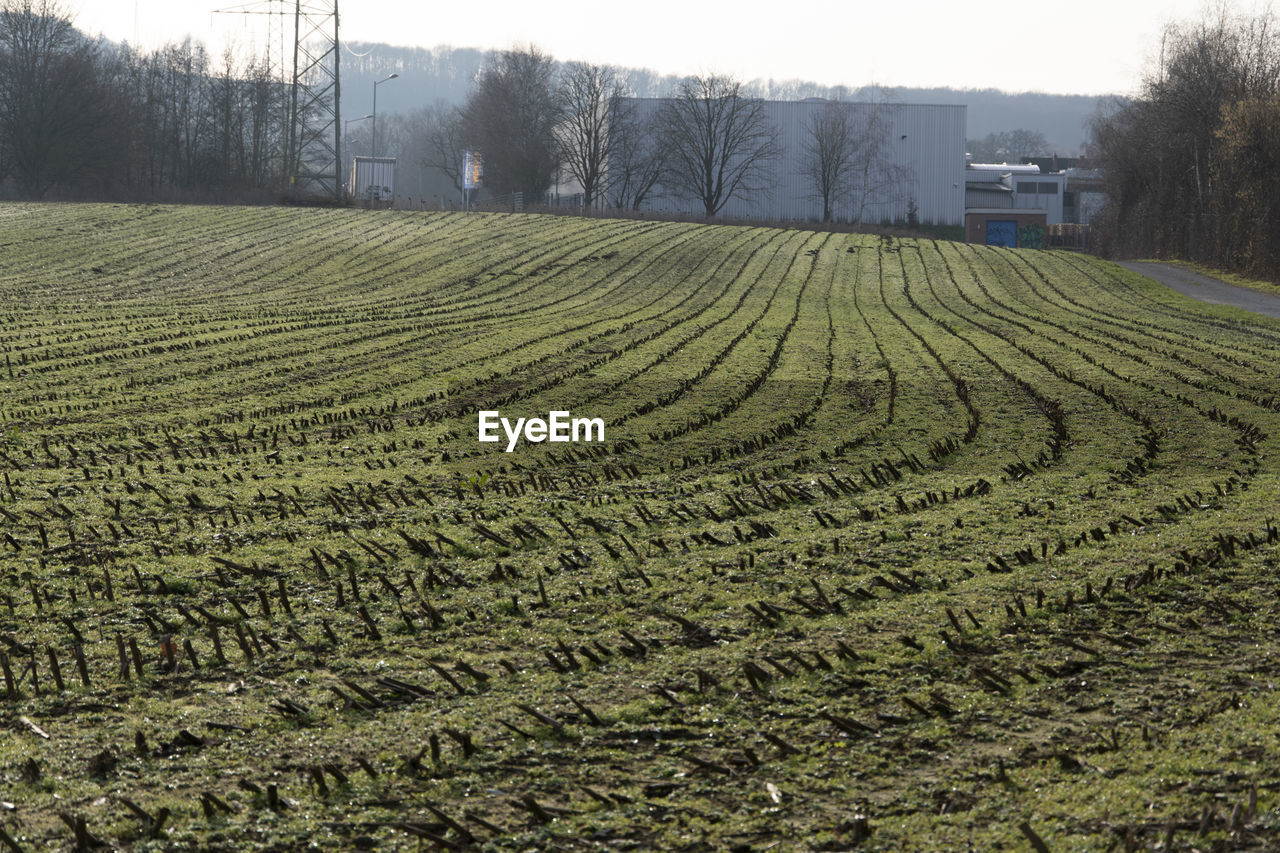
(1067, 236)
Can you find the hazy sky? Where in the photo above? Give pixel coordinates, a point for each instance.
(1085, 46)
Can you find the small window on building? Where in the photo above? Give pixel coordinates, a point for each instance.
(1048, 188)
(1028, 187)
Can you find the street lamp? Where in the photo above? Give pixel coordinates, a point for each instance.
(375, 111)
(346, 124)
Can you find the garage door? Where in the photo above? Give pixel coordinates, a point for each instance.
(1002, 232)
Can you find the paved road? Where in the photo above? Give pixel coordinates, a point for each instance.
(1208, 289)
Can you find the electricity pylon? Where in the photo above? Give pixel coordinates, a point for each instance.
(313, 158)
(315, 125)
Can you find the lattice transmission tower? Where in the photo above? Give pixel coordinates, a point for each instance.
(313, 157)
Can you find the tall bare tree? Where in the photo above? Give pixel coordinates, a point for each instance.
(265, 105)
(590, 98)
(829, 149)
(511, 118)
(719, 143)
(845, 160)
(636, 158)
(443, 147)
(877, 180)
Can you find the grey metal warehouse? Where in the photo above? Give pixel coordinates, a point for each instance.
(921, 167)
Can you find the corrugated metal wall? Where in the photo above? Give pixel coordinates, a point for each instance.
(373, 178)
(1030, 194)
(923, 144)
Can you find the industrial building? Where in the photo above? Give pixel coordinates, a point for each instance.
(1083, 192)
(914, 168)
(1004, 204)
(1017, 204)
(1021, 187)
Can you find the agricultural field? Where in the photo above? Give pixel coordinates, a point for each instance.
(890, 544)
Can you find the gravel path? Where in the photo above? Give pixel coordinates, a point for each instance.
(1208, 289)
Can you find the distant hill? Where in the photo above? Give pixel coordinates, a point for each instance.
(1061, 118)
(444, 74)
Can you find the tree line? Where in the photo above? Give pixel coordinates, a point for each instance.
(1008, 146)
(86, 118)
(1192, 164)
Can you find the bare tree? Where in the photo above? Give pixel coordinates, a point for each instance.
(845, 160)
(244, 143)
(187, 110)
(590, 95)
(443, 146)
(1246, 186)
(829, 151)
(876, 179)
(636, 156)
(511, 118)
(265, 104)
(171, 117)
(719, 144)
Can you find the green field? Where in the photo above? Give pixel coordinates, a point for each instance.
(892, 544)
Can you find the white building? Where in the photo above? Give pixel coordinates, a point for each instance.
(1083, 196)
(996, 186)
(918, 172)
